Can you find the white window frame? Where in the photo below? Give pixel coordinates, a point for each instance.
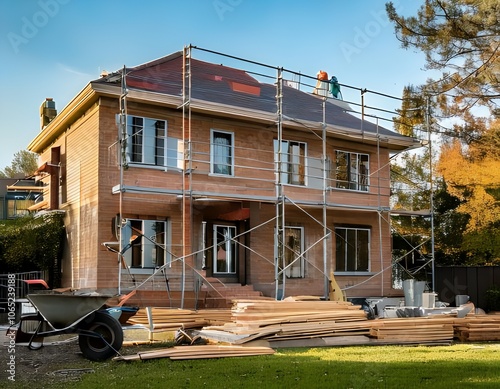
(155, 150)
(226, 245)
(352, 250)
(291, 162)
(356, 179)
(145, 244)
(215, 150)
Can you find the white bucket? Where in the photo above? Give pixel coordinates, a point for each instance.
(429, 300)
(461, 299)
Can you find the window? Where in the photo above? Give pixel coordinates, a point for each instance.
(293, 166)
(148, 143)
(294, 247)
(352, 170)
(17, 206)
(221, 153)
(353, 249)
(146, 241)
(224, 249)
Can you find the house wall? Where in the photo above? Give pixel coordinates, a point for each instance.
(261, 272)
(81, 167)
(254, 177)
(90, 152)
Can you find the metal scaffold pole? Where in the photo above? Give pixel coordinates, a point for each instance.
(122, 158)
(325, 186)
(280, 201)
(431, 185)
(186, 180)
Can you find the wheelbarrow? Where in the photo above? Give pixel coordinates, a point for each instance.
(100, 335)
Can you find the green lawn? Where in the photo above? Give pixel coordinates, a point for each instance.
(457, 366)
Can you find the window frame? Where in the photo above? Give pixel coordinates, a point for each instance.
(230, 244)
(355, 180)
(288, 172)
(299, 263)
(214, 155)
(347, 257)
(166, 159)
(143, 245)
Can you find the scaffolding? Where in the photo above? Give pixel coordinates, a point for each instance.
(195, 157)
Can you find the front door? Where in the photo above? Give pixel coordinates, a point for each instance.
(225, 254)
(225, 250)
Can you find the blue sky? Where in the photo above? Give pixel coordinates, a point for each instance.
(53, 48)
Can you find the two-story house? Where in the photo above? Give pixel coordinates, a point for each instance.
(207, 174)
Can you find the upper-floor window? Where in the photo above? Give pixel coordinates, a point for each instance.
(148, 144)
(352, 249)
(352, 170)
(145, 242)
(292, 161)
(222, 152)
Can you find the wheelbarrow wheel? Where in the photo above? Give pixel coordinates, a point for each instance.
(97, 348)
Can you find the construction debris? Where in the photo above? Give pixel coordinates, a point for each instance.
(299, 322)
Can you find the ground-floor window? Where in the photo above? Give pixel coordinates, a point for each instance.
(352, 249)
(146, 241)
(293, 260)
(225, 249)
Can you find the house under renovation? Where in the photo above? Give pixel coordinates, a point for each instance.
(186, 179)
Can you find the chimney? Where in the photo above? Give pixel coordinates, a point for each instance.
(47, 112)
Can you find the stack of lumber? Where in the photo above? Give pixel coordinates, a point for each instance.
(279, 320)
(198, 352)
(215, 316)
(478, 328)
(412, 330)
(167, 319)
(171, 319)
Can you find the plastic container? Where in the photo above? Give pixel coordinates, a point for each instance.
(461, 299)
(429, 300)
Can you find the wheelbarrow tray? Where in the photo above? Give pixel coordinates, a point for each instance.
(65, 310)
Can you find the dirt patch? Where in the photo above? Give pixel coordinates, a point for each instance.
(59, 361)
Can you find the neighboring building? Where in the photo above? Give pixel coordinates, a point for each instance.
(225, 177)
(18, 197)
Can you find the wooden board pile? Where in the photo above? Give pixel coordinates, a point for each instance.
(171, 319)
(478, 328)
(198, 352)
(414, 330)
(280, 320)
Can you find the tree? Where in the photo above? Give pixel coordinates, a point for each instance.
(24, 162)
(461, 41)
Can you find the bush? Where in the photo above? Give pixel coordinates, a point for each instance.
(33, 243)
(493, 298)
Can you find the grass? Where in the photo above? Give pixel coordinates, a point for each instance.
(461, 365)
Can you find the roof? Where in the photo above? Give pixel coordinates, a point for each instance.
(231, 87)
(225, 92)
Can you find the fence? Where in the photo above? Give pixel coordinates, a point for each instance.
(471, 281)
(21, 287)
